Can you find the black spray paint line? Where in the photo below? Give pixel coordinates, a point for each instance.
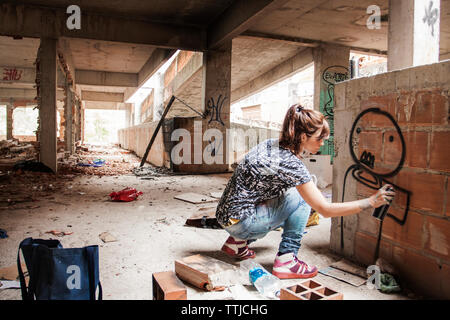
(216, 108)
(365, 165)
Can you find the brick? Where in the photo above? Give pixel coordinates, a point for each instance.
(166, 286)
(422, 111)
(447, 199)
(309, 290)
(438, 231)
(386, 103)
(445, 284)
(362, 190)
(369, 141)
(410, 234)
(426, 190)
(364, 248)
(393, 152)
(417, 272)
(416, 149)
(367, 223)
(377, 120)
(440, 151)
(405, 102)
(440, 104)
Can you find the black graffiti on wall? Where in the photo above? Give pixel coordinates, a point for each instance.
(431, 16)
(215, 108)
(331, 76)
(365, 169)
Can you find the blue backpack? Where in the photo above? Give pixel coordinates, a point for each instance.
(58, 273)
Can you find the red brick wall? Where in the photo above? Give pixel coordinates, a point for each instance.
(420, 249)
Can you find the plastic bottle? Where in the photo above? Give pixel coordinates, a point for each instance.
(266, 283)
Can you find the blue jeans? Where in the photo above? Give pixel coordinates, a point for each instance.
(289, 211)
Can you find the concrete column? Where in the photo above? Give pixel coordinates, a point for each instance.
(47, 111)
(68, 115)
(62, 124)
(414, 28)
(331, 65)
(9, 120)
(82, 123)
(216, 97)
(128, 115)
(77, 120)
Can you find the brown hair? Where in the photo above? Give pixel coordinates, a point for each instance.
(299, 120)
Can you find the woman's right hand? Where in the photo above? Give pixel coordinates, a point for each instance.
(383, 196)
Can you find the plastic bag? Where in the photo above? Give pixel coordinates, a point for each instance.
(127, 194)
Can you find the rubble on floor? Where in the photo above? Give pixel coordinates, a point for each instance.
(99, 161)
(24, 190)
(13, 151)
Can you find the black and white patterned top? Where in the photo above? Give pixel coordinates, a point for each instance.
(265, 172)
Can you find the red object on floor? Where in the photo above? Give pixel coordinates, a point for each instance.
(127, 194)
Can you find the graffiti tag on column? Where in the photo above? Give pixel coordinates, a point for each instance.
(331, 76)
(431, 16)
(11, 74)
(216, 108)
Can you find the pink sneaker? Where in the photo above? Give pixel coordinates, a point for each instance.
(287, 266)
(238, 249)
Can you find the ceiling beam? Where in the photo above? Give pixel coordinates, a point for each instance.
(237, 18)
(306, 42)
(156, 61)
(34, 22)
(294, 40)
(105, 78)
(24, 94)
(287, 68)
(105, 105)
(101, 96)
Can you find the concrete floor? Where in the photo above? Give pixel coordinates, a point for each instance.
(151, 235)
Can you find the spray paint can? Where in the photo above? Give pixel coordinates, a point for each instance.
(381, 211)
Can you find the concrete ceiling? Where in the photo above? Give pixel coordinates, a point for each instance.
(109, 56)
(341, 22)
(267, 33)
(181, 12)
(18, 53)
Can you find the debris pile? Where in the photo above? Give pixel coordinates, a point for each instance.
(99, 161)
(149, 172)
(12, 151)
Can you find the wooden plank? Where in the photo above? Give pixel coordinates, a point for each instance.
(350, 267)
(206, 272)
(343, 276)
(194, 198)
